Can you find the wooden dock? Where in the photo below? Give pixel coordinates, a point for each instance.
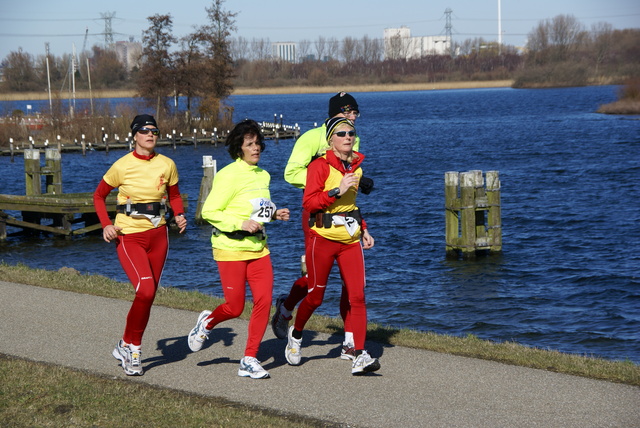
(65, 214)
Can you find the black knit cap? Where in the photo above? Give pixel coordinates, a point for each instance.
(140, 121)
(340, 103)
(333, 122)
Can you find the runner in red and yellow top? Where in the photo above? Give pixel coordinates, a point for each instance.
(337, 229)
(144, 179)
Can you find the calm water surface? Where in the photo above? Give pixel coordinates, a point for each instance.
(568, 275)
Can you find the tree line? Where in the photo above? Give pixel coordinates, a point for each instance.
(206, 65)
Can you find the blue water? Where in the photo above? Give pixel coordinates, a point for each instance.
(568, 277)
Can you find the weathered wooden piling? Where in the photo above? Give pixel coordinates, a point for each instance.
(52, 171)
(472, 213)
(32, 176)
(209, 171)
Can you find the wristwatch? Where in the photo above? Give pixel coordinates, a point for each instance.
(334, 193)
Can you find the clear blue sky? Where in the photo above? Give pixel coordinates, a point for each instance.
(30, 23)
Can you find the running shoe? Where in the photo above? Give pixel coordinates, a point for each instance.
(198, 334)
(250, 367)
(280, 324)
(130, 360)
(292, 352)
(364, 363)
(348, 352)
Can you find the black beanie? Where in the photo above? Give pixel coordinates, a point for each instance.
(340, 103)
(141, 120)
(333, 122)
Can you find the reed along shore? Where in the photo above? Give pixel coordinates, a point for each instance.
(124, 93)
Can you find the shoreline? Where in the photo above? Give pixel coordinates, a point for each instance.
(400, 87)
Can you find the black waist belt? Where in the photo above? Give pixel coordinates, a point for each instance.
(322, 219)
(151, 208)
(239, 234)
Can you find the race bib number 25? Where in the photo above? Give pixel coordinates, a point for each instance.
(263, 210)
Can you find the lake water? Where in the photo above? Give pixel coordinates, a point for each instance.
(568, 276)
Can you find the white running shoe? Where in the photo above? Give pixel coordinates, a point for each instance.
(292, 352)
(280, 324)
(131, 361)
(250, 367)
(198, 334)
(348, 352)
(364, 363)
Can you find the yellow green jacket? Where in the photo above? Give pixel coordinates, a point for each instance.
(237, 191)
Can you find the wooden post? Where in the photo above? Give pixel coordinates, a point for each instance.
(494, 221)
(473, 218)
(467, 213)
(480, 201)
(33, 186)
(209, 171)
(452, 209)
(3, 226)
(53, 171)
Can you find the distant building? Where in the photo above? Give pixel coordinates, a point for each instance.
(285, 51)
(129, 53)
(398, 44)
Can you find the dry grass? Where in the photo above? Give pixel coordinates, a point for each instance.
(282, 90)
(621, 107)
(372, 88)
(470, 346)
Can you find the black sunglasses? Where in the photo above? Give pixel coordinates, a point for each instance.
(345, 133)
(145, 131)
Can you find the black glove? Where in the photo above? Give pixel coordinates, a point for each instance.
(366, 185)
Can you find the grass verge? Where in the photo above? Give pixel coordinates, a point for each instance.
(470, 346)
(45, 395)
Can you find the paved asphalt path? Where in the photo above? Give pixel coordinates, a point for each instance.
(414, 388)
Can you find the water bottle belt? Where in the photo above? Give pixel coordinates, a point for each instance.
(150, 208)
(239, 234)
(322, 219)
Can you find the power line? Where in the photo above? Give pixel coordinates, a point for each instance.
(59, 35)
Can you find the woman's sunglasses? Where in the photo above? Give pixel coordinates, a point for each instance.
(145, 131)
(345, 133)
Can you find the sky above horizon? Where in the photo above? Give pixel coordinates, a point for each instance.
(30, 24)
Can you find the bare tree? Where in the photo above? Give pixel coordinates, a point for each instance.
(304, 48)
(108, 72)
(348, 51)
(261, 49)
(333, 48)
(19, 72)
(554, 39)
(603, 42)
(155, 80)
(376, 50)
(217, 77)
(394, 47)
(321, 47)
(240, 49)
(189, 66)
